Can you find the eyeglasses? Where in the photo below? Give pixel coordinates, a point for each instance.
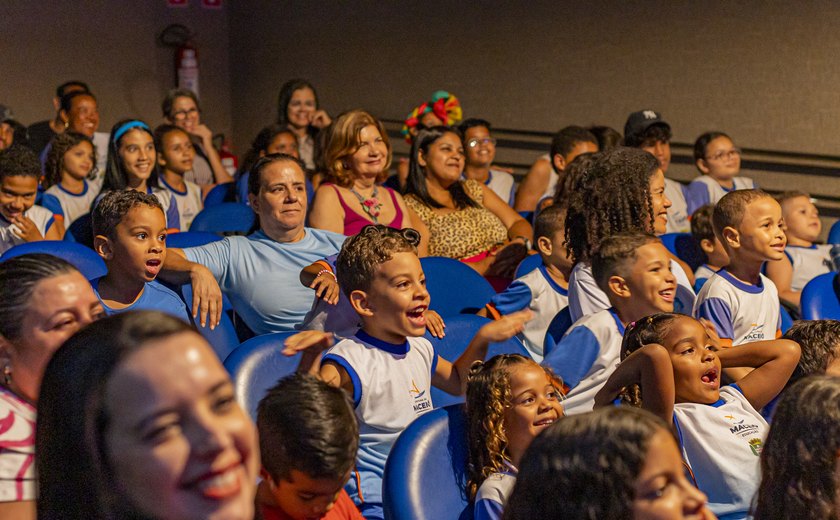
(182, 114)
(725, 154)
(476, 142)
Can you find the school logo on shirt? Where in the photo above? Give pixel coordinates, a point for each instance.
(756, 446)
(421, 402)
(756, 333)
(747, 431)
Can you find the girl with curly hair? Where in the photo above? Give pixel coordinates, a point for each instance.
(799, 468)
(510, 399)
(70, 190)
(616, 463)
(672, 366)
(621, 191)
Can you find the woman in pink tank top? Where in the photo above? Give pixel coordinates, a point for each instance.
(358, 156)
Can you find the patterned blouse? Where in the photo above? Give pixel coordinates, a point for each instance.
(462, 233)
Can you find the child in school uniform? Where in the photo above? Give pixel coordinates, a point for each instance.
(623, 191)
(719, 162)
(308, 442)
(510, 400)
(671, 366)
(703, 232)
(70, 191)
(545, 289)
(132, 164)
(129, 230)
(804, 258)
(21, 220)
(634, 271)
(387, 366)
(741, 303)
(175, 154)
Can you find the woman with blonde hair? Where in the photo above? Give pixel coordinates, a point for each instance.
(358, 156)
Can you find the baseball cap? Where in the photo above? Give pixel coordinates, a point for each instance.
(638, 122)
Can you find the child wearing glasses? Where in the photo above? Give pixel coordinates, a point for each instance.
(480, 150)
(719, 161)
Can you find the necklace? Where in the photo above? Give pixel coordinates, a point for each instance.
(371, 205)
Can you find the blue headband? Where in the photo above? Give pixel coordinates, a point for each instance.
(128, 126)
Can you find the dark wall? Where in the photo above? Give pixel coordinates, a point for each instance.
(112, 45)
(765, 74)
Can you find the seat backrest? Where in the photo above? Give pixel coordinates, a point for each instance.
(256, 365)
(224, 192)
(227, 217)
(819, 299)
(81, 231)
(683, 246)
(787, 319)
(556, 329)
(528, 264)
(455, 287)
(834, 233)
(223, 337)
(460, 330)
(191, 239)
(83, 258)
(426, 472)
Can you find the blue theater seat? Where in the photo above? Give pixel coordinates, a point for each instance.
(556, 329)
(819, 300)
(455, 287)
(227, 217)
(460, 330)
(186, 239)
(83, 258)
(256, 365)
(426, 473)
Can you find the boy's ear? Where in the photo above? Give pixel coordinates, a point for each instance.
(103, 247)
(544, 245)
(731, 237)
(618, 286)
(359, 301)
(708, 246)
(559, 162)
(702, 166)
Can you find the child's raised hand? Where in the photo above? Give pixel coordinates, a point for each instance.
(312, 341)
(714, 339)
(26, 229)
(435, 324)
(505, 328)
(326, 287)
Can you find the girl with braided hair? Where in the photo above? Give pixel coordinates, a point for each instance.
(510, 399)
(622, 191)
(672, 366)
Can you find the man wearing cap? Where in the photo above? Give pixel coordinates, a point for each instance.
(647, 130)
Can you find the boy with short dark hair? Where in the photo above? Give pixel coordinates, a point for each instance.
(129, 230)
(820, 343)
(703, 232)
(647, 130)
(20, 219)
(742, 303)
(545, 289)
(479, 153)
(308, 442)
(633, 269)
(541, 181)
(388, 367)
(805, 259)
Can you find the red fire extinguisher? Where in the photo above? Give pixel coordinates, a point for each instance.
(186, 67)
(229, 160)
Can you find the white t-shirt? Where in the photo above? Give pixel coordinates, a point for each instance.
(721, 443)
(586, 357)
(42, 217)
(678, 213)
(705, 190)
(540, 293)
(391, 387)
(741, 313)
(808, 263)
(189, 202)
(67, 206)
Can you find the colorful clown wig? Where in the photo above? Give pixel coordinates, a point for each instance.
(444, 105)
